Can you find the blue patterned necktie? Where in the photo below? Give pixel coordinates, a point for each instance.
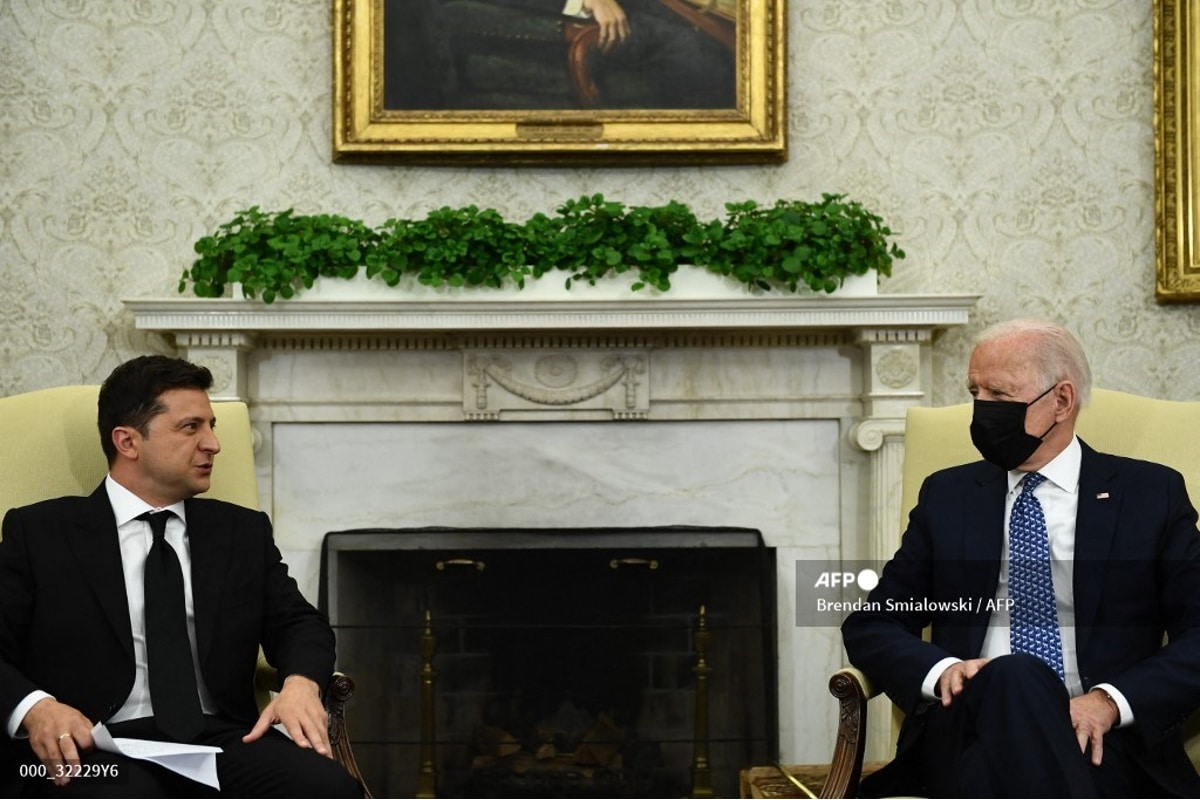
(1030, 586)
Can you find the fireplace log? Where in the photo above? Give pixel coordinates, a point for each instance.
(496, 742)
(601, 744)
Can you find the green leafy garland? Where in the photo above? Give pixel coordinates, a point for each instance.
(790, 246)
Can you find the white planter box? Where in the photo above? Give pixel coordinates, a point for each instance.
(686, 284)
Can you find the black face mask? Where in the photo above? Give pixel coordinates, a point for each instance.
(998, 431)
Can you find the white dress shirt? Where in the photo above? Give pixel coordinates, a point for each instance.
(1059, 498)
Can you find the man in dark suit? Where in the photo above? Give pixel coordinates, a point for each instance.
(1088, 701)
(80, 616)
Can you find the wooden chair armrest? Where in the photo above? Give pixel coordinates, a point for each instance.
(341, 689)
(841, 779)
(869, 689)
(337, 694)
(853, 690)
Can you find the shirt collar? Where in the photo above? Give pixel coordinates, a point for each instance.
(128, 506)
(1062, 470)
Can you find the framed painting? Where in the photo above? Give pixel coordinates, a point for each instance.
(559, 81)
(1177, 151)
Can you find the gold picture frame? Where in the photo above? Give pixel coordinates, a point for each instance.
(368, 77)
(1177, 151)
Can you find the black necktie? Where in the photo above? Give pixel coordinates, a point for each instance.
(168, 652)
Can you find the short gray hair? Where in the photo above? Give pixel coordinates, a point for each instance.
(1059, 354)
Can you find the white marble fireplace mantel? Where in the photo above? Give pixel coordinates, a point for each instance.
(226, 329)
(784, 414)
(642, 358)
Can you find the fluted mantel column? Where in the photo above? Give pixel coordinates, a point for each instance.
(897, 371)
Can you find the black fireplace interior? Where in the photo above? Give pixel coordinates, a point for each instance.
(555, 662)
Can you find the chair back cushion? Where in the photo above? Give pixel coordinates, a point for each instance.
(52, 448)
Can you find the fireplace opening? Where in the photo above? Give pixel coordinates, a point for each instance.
(616, 662)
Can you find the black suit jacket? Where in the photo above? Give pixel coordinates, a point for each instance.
(1136, 580)
(64, 617)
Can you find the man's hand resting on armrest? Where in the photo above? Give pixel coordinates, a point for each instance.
(299, 708)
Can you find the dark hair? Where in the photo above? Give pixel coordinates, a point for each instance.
(130, 396)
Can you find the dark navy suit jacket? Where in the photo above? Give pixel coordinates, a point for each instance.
(1136, 581)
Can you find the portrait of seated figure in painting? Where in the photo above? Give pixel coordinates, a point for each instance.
(488, 55)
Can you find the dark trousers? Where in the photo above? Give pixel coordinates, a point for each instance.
(1009, 734)
(272, 766)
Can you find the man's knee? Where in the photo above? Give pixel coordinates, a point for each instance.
(1019, 669)
(275, 767)
(330, 780)
(1017, 684)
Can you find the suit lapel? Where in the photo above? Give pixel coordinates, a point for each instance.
(94, 541)
(1095, 529)
(210, 551)
(983, 545)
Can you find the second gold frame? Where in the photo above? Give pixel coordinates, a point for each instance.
(752, 129)
(1177, 150)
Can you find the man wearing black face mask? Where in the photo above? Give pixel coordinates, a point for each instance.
(1052, 680)
(998, 431)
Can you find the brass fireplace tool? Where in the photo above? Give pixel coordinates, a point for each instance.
(427, 774)
(701, 769)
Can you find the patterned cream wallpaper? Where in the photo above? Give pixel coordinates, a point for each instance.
(1009, 142)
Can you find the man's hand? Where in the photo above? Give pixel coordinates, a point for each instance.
(58, 733)
(1092, 715)
(298, 706)
(614, 26)
(952, 681)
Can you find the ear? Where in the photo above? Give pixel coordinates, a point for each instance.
(1066, 401)
(127, 441)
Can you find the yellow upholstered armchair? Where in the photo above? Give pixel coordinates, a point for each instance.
(935, 438)
(51, 448)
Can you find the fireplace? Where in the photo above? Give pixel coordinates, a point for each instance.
(784, 415)
(556, 662)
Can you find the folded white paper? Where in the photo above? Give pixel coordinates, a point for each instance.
(195, 761)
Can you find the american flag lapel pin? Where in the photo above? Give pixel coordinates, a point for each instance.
(1102, 496)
